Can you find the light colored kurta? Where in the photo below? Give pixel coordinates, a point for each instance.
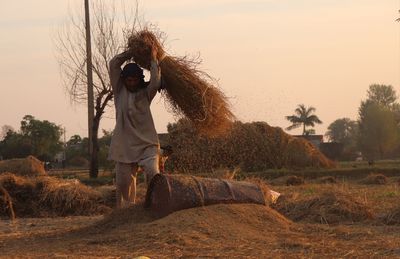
(135, 137)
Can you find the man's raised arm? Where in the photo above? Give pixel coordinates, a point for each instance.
(115, 68)
(155, 77)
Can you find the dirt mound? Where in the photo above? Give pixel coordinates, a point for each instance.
(213, 215)
(193, 228)
(328, 207)
(47, 196)
(30, 166)
(375, 179)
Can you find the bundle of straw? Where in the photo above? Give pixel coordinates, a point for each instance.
(189, 91)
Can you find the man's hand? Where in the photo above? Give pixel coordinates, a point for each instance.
(127, 54)
(154, 53)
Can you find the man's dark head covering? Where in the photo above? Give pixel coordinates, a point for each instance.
(133, 70)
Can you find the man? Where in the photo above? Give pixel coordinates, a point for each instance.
(135, 141)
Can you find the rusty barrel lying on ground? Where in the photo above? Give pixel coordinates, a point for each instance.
(169, 193)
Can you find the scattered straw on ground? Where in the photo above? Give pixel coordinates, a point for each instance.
(393, 217)
(375, 179)
(218, 231)
(294, 180)
(329, 207)
(326, 180)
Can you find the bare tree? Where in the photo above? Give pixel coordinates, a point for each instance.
(109, 32)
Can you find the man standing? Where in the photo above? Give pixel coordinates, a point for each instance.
(135, 141)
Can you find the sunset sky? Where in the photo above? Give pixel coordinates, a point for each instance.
(268, 55)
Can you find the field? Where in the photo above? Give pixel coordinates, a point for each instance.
(357, 221)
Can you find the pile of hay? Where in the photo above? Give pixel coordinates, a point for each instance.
(47, 197)
(23, 166)
(249, 146)
(375, 179)
(189, 91)
(329, 207)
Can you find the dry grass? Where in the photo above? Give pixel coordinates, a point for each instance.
(6, 206)
(294, 180)
(393, 217)
(47, 196)
(326, 180)
(189, 91)
(29, 166)
(328, 207)
(218, 231)
(375, 179)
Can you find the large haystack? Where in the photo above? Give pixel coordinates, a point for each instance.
(251, 146)
(30, 166)
(329, 207)
(46, 196)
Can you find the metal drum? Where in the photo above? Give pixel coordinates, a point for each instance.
(169, 193)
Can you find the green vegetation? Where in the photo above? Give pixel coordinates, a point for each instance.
(376, 133)
(344, 170)
(35, 137)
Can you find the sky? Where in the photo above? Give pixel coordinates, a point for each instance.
(267, 55)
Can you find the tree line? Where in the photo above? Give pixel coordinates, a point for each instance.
(375, 133)
(43, 139)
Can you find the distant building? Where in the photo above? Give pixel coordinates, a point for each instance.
(59, 157)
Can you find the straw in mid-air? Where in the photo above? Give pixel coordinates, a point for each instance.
(189, 91)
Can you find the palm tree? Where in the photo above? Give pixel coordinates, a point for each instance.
(303, 116)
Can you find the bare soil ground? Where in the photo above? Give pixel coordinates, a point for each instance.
(218, 231)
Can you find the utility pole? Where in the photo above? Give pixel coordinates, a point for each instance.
(65, 149)
(89, 83)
